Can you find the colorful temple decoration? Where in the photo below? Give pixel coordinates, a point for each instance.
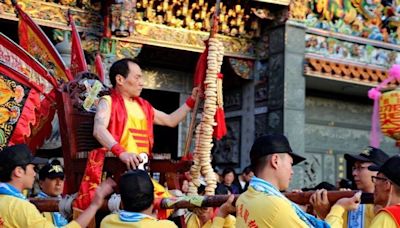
(242, 68)
(334, 48)
(375, 20)
(184, 25)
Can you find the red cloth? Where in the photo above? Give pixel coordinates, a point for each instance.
(91, 179)
(94, 166)
(201, 68)
(35, 42)
(220, 130)
(78, 62)
(394, 211)
(99, 67)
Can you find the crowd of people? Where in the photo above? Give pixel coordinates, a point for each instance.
(261, 185)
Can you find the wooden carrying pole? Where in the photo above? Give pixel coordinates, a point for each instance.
(301, 198)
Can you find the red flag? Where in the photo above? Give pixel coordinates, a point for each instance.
(99, 67)
(35, 41)
(78, 62)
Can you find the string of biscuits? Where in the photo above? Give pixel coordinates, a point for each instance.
(204, 130)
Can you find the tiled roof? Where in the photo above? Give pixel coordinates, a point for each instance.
(337, 69)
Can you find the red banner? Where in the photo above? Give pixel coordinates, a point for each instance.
(78, 62)
(35, 41)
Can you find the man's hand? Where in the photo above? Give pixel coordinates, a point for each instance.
(102, 191)
(131, 160)
(227, 208)
(319, 201)
(350, 204)
(195, 91)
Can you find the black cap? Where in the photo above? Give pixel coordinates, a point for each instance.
(271, 144)
(370, 154)
(136, 184)
(18, 155)
(390, 169)
(51, 170)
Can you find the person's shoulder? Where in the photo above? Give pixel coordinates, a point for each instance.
(105, 222)
(165, 223)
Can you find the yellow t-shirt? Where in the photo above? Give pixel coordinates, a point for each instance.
(114, 222)
(257, 209)
(15, 212)
(383, 219)
(218, 222)
(135, 137)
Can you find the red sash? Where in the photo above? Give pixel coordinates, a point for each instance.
(394, 211)
(119, 116)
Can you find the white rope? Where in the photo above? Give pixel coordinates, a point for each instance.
(65, 205)
(114, 203)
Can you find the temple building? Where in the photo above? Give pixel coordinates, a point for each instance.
(302, 67)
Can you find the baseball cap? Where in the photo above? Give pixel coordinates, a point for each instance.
(390, 169)
(136, 184)
(18, 155)
(369, 154)
(271, 144)
(51, 170)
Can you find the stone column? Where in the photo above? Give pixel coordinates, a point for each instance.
(286, 88)
(294, 94)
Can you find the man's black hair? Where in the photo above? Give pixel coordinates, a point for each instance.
(137, 191)
(120, 67)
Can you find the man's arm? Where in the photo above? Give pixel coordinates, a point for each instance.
(101, 133)
(102, 191)
(101, 121)
(33, 218)
(173, 119)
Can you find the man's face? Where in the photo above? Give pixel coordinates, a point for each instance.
(133, 83)
(382, 190)
(247, 177)
(28, 176)
(285, 171)
(52, 186)
(362, 176)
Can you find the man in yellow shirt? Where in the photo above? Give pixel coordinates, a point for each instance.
(387, 187)
(124, 125)
(362, 217)
(136, 189)
(263, 204)
(17, 172)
